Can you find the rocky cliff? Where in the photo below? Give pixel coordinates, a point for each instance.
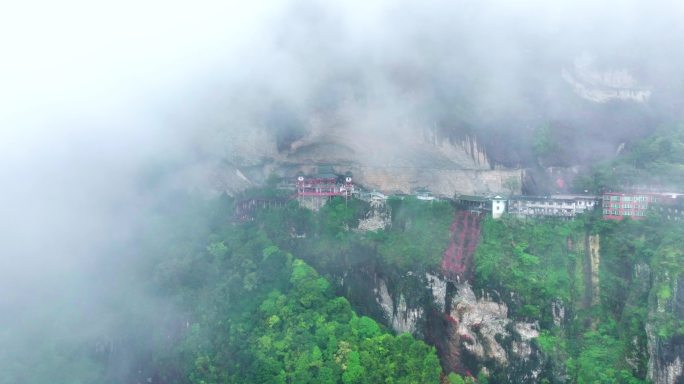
(666, 351)
(397, 158)
(601, 86)
(472, 334)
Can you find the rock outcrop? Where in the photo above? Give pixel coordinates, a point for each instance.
(472, 334)
(486, 334)
(377, 218)
(400, 317)
(666, 353)
(603, 86)
(389, 156)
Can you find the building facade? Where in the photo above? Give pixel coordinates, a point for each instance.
(498, 206)
(618, 205)
(474, 203)
(559, 206)
(324, 185)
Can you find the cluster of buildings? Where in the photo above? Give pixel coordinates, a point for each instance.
(324, 185)
(615, 205)
(618, 205)
(559, 206)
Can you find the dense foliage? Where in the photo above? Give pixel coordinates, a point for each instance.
(414, 240)
(544, 263)
(531, 259)
(656, 161)
(258, 315)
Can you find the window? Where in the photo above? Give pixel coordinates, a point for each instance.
(615, 198)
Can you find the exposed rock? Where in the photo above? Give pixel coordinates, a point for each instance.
(603, 86)
(377, 218)
(441, 181)
(637, 355)
(666, 362)
(592, 263)
(482, 325)
(397, 158)
(558, 312)
(312, 203)
(400, 317)
(438, 287)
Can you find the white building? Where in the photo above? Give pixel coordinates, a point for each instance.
(498, 206)
(562, 206)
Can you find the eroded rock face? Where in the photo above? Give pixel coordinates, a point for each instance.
(483, 325)
(666, 362)
(378, 217)
(472, 334)
(558, 312)
(400, 317)
(438, 287)
(392, 156)
(601, 86)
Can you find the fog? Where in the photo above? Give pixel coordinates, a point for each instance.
(93, 95)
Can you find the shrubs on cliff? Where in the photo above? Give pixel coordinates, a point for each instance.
(254, 314)
(530, 259)
(418, 236)
(328, 240)
(301, 333)
(657, 160)
(533, 263)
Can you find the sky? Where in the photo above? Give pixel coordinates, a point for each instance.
(83, 87)
(91, 93)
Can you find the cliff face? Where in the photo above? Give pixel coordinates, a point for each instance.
(601, 86)
(395, 159)
(666, 352)
(377, 218)
(401, 161)
(472, 334)
(554, 301)
(444, 182)
(483, 332)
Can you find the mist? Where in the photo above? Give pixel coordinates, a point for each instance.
(94, 98)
